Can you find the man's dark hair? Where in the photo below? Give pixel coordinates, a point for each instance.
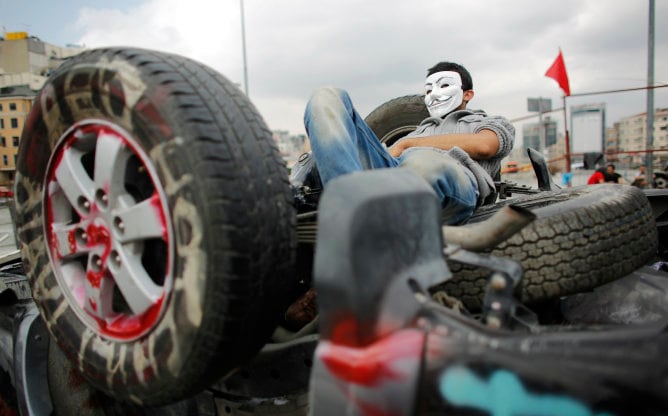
(610, 165)
(467, 82)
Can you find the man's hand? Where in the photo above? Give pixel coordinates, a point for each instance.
(480, 146)
(398, 148)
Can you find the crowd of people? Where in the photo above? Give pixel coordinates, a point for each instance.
(608, 174)
(605, 174)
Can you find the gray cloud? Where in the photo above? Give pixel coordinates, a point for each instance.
(381, 49)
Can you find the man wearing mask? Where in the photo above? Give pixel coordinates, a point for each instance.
(456, 150)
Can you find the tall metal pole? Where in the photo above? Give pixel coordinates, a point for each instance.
(649, 157)
(567, 141)
(243, 43)
(541, 131)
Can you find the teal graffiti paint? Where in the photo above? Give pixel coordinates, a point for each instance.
(504, 395)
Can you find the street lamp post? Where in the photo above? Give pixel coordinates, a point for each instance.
(649, 156)
(540, 105)
(243, 46)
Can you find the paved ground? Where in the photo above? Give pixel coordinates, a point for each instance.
(580, 177)
(8, 244)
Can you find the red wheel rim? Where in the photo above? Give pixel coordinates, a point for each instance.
(109, 240)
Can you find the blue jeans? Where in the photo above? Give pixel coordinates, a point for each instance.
(342, 143)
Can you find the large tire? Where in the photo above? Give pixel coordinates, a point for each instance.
(155, 222)
(582, 237)
(396, 118)
(72, 395)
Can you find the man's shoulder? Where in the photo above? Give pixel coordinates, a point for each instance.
(467, 114)
(472, 116)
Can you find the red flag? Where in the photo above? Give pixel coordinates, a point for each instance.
(558, 72)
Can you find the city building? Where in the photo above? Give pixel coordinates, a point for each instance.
(632, 136)
(612, 148)
(25, 64)
(290, 145)
(15, 104)
(539, 136)
(26, 60)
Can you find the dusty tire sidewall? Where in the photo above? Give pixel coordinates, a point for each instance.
(397, 117)
(560, 213)
(116, 92)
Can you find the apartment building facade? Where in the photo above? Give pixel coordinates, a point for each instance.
(25, 64)
(15, 104)
(632, 135)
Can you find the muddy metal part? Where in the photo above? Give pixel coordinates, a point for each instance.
(385, 346)
(24, 341)
(275, 382)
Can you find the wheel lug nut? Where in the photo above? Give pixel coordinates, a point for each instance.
(83, 204)
(96, 263)
(494, 322)
(498, 282)
(102, 197)
(115, 258)
(119, 224)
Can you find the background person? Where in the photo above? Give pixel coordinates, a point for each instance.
(611, 175)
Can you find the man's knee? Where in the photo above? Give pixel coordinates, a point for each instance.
(327, 97)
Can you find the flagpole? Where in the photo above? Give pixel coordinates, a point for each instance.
(566, 139)
(557, 71)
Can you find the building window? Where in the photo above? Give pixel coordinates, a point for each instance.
(5, 160)
(0, 106)
(12, 106)
(15, 141)
(14, 123)
(3, 143)
(2, 123)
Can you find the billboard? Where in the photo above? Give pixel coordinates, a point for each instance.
(539, 105)
(587, 128)
(16, 35)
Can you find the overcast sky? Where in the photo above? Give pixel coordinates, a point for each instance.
(380, 49)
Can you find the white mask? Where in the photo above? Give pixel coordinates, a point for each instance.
(443, 92)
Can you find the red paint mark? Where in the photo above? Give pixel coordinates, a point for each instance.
(75, 379)
(148, 374)
(72, 241)
(157, 205)
(371, 410)
(150, 112)
(98, 236)
(93, 305)
(6, 409)
(345, 332)
(370, 366)
(53, 243)
(94, 278)
(127, 326)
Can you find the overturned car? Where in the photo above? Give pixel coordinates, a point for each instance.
(162, 242)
